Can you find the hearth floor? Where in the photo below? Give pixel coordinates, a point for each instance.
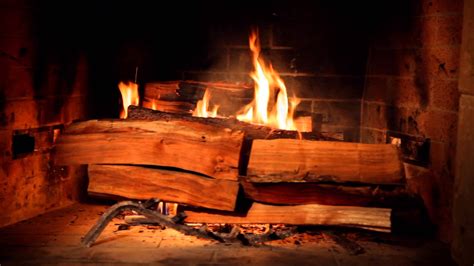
(54, 238)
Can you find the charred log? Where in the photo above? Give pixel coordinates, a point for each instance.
(328, 194)
(251, 131)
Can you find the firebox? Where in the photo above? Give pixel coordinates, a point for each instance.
(237, 132)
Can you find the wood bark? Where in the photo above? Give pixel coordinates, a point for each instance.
(377, 219)
(328, 194)
(284, 160)
(207, 149)
(251, 131)
(137, 182)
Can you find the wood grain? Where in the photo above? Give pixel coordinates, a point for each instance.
(285, 160)
(205, 149)
(377, 219)
(136, 182)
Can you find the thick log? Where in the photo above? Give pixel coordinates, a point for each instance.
(377, 219)
(328, 194)
(284, 160)
(251, 131)
(205, 149)
(136, 182)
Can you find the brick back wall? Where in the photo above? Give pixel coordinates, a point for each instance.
(411, 88)
(319, 49)
(42, 86)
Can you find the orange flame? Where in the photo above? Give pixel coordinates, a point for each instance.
(264, 109)
(153, 104)
(130, 96)
(202, 107)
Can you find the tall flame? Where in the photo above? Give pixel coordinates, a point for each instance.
(130, 96)
(264, 109)
(202, 107)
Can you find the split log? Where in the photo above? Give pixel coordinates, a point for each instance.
(136, 182)
(251, 131)
(328, 194)
(377, 219)
(205, 149)
(284, 160)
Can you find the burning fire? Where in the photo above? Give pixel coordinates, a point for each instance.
(202, 107)
(153, 104)
(264, 109)
(130, 96)
(271, 105)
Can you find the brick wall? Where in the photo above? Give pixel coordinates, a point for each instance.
(319, 49)
(463, 217)
(43, 81)
(411, 87)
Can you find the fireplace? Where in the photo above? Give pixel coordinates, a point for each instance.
(389, 75)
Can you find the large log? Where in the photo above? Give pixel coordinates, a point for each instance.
(205, 149)
(328, 194)
(377, 219)
(284, 160)
(251, 131)
(136, 182)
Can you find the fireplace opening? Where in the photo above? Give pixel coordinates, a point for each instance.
(195, 132)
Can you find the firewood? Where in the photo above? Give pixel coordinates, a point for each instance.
(284, 160)
(181, 96)
(167, 91)
(328, 194)
(251, 131)
(170, 106)
(377, 219)
(136, 182)
(206, 149)
(192, 91)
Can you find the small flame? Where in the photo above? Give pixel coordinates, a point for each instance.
(202, 107)
(130, 96)
(264, 109)
(153, 104)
